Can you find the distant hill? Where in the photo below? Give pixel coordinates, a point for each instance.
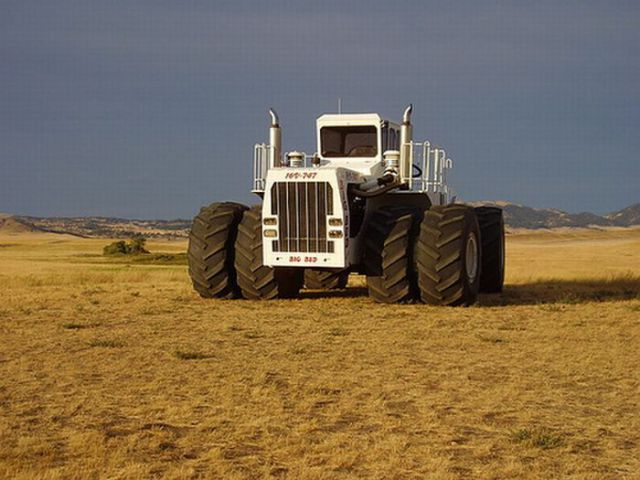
(626, 216)
(520, 216)
(15, 225)
(516, 216)
(111, 227)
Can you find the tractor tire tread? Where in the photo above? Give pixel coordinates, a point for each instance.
(210, 251)
(491, 224)
(438, 257)
(388, 254)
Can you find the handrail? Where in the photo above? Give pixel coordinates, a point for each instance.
(434, 164)
(432, 161)
(263, 161)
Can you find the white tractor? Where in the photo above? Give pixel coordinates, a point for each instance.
(370, 201)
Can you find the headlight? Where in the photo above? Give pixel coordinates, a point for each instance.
(335, 222)
(335, 234)
(270, 233)
(270, 221)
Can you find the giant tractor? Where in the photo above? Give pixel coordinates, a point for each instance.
(371, 201)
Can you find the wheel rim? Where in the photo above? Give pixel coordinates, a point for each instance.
(471, 258)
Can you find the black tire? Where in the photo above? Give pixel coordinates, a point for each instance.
(210, 252)
(493, 251)
(388, 254)
(326, 279)
(257, 281)
(441, 256)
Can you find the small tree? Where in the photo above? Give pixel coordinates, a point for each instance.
(115, 248)
(134, 247)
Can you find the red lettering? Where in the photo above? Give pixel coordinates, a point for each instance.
(298, 175)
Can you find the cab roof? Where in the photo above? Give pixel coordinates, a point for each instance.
(347, 119)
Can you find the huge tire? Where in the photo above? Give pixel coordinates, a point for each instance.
(326, 279)
(493, 253)
(388, 254)
(447, 256)
(210, 252)
(257, 281)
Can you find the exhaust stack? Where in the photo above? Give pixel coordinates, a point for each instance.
(406, 137)
(275, 139)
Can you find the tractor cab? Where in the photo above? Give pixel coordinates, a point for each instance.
(355, 141)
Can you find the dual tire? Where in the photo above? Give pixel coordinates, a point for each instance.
(445, 255)
(211, 250)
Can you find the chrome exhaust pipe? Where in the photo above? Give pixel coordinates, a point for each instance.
(406, 116)
(406, 137)
(275, 139)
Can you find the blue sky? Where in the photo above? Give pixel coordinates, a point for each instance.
(151, 108)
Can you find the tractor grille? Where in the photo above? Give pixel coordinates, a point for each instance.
(302, 209)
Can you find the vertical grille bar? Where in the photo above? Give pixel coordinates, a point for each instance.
(303, 233)
(308, 232)
(293, 216)
(322, 213)
(317, 216)
(282, 219)
(274, 200)
(312, 212)
(286, 214)
(299, 211)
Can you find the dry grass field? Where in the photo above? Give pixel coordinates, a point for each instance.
(116, 369)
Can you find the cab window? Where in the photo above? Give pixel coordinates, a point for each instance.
(357, 141)
(385, 138)
(392, 142)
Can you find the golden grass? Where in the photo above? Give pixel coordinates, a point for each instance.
(118, 370)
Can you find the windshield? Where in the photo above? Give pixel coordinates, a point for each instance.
(359, 141)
